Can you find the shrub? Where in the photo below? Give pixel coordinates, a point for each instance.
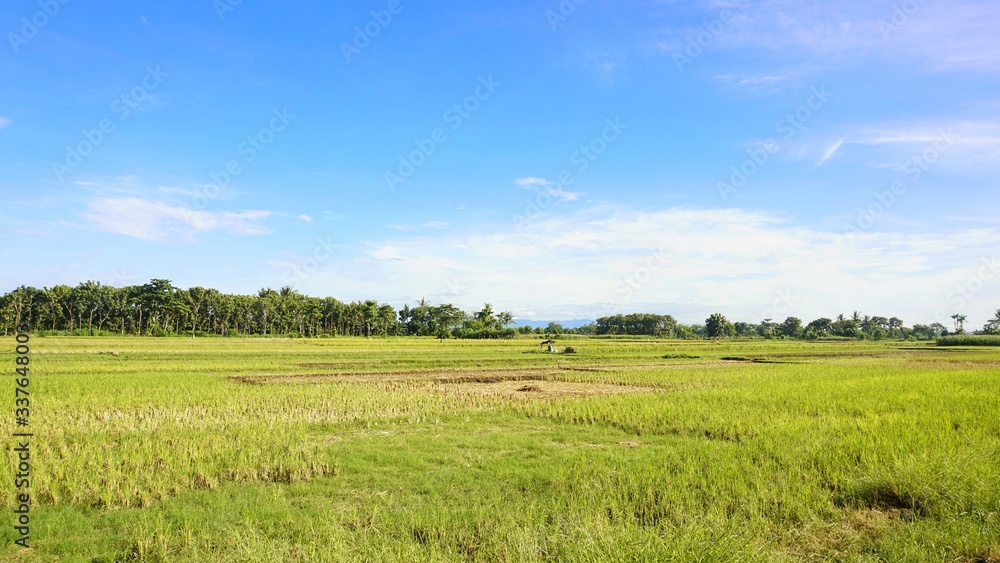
(969, 340)
(485, 334)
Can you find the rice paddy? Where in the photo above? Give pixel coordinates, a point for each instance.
(421, 450)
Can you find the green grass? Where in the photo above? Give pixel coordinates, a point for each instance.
(969, 340)
(402, 450)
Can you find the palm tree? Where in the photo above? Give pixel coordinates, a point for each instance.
(486, 316)
(960, 321)
(993, 325)
(506, 319)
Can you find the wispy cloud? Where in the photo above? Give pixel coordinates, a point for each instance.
(960, 145)
(762, 82)
(729, 259)
(954, 145)
(157, 221)
(830, 152)
(4, 122)
(952, 36)
(545, 186)
(532, 182)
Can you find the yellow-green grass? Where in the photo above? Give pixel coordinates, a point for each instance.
(415, 449)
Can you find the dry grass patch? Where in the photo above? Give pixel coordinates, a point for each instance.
(539, 389)
(471, 375)
(858, 529)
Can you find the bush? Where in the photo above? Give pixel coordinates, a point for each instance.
(485, 334)
(969, 340)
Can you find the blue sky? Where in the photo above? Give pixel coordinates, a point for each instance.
(760, 158)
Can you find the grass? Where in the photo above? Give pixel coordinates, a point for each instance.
(413, 449)
(969, 340)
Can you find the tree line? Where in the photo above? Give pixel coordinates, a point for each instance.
(157, 308)
(857, 326)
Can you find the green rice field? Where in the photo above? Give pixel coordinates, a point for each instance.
(410, 449)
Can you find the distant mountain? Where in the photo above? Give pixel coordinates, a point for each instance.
(573, 323)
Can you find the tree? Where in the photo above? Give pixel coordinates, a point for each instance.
(195, 298)
(823, 327)
(767, 328)
(993, 325)
(55, 298)
(266, 306)
(960, 322)
(896, 327)
(506, 319)
(487, 317)
(663, 326)
(718, 326)
(925, 332)
(155, 297)
(791, 328)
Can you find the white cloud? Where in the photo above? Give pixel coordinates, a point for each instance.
(946, 36)
(563, 195)
(731, 260)
(182, 192)
(954, 145)
(541, 185)
(153, 220)
(4, 122)
(830, 152)
(765, 82)
(531, 182)
(961, 145)
(305, 218)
